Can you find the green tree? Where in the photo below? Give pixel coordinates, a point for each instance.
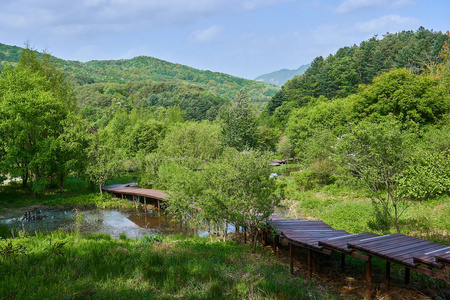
(193, 142)
(235, 188)
(145, 136)
(377, 154)
(239, 123)
(411, 98)
(105, 159)
(35, 99)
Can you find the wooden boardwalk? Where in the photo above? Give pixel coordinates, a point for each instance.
(130, 189)
(316, 236)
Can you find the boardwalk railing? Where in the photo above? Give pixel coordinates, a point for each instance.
(316, 236)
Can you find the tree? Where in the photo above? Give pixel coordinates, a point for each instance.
(105, 159)
(35, 99)
(145, 136)
(377, 154)
(235, 188)
(410, 98)
(193, 142)
(239, 123)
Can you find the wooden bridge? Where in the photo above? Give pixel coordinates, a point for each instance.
(318, 237)
(411, 253)
(129, 189)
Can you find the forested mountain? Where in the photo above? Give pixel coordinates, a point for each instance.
(281, 76)
(147, 81)
(339, 75)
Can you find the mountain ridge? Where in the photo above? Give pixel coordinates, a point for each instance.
(280, 77)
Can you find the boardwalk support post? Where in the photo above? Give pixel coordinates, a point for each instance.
(368, 277)
(309, 266)
(388, 276)
(407, 275)
(134, 202)
(159, 208)
(145, 204)
(276, 240)
(343, 261)
(291, 258)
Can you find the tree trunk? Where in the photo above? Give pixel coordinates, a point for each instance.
(100, 187)
(255, 235)
(61, 183)
(25, 178)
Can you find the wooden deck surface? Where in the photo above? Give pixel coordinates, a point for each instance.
(131, 189)
(412, 253)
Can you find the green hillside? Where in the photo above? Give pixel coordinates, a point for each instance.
(146, 81)
(339, 75)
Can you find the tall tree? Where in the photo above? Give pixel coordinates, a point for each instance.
(35, 99)
(239, 123)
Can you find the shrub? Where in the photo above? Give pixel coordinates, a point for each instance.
(319, 173)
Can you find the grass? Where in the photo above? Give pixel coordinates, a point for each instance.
(352, 210)
(169, 267)
(76, 194)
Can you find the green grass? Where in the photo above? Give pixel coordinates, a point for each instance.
(76, 194)
(103, 268)
(352, 210)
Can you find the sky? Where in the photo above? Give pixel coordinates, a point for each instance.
(245, 38)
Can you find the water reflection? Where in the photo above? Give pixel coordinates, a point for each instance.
(113, 222)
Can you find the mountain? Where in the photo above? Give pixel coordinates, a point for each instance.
(145, 68)
(280, 77)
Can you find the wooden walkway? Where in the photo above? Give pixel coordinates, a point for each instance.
(130, 189)
(316, 236)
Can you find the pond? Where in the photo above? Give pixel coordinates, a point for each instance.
(133, 224)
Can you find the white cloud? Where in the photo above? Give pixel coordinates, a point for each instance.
(209, 35)
(254, 4)
(351, 5)
(387, 23)
(402, 3)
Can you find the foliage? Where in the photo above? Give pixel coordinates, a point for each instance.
(145, 136)
(239, 123)
(235, 188)
(340, 74)
(192, 141)
(378, 154)
(320, 173)
(411, 98)
(267, 138)
(35, 100)
(104, 159)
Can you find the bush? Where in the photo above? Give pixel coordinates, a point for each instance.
(319, 173)
(427, 175)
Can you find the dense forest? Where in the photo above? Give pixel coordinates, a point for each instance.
(103, 87)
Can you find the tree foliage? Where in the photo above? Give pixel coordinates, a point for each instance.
(35, 100)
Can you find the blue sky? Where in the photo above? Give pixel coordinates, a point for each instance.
(245, 38)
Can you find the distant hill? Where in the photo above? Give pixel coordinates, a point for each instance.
(145, 68)
(280, 77)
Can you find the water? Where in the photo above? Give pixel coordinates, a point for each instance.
(113, 222)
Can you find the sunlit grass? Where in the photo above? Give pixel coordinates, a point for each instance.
(101, 267)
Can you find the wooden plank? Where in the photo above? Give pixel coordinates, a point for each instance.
(375, 240)
(403, 249)
(341, 242)
(401, 244)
